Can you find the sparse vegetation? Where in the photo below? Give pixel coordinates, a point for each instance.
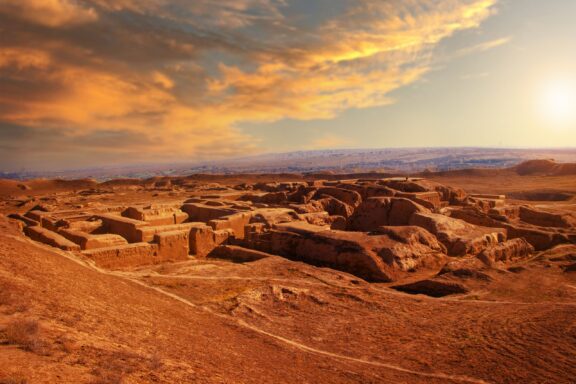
(106, 377)
(25, 333)
(154, 361)
(12, 298)
(7, 293)
(66, 345)
(13, 378)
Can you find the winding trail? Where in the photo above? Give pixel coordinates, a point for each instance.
(292, 343)
(136, 278)
(305, 348)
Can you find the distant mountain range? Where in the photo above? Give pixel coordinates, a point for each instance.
(405, 160)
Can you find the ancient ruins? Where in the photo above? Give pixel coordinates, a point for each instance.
(380, 230)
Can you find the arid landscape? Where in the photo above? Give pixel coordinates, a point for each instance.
(465, 277)
(287, 191)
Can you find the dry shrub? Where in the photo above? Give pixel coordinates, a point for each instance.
(113, 366)
(154, 362)
(12, 298)
(106, 377)
(25, 333)
(66, 345)
(13, 378)
(7, 293)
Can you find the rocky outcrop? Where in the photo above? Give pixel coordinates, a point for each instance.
(546, 219)
(412, 235)
(510, 250)
(448, 194)
(273, 198)
(373, 257)
(459, 237)
(540, 239)
(381, 211)
(368, 190)
(336, 207)
(563, 255)
(25, 220)
(430, 200)
(349, 197)
(474, 215)
(271, 217)
(303, 195)
(324, 219)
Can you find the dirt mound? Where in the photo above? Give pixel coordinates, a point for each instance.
(46, 185)
(566, 169)
(545, 167)
(531, 167)
(469, 172)
(541, 195)
(121, 183)
(11, 187)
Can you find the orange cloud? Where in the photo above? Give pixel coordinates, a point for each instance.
(185, 75)
(50, 13)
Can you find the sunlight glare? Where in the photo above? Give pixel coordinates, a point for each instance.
(558, 103)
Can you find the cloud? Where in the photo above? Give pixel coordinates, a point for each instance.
(49, 13)
(482, 47)
(184, 76)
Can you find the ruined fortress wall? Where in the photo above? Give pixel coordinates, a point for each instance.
(205, 213)
(430, 200)
(236, 222)
(146, 234)
(129, 255)
(123, 226)
(173, 246)
(156, 216)
(88, 241)
(341, 254)
(203, 240)
(46, 236)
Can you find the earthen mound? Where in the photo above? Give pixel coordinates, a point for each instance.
(545, 167)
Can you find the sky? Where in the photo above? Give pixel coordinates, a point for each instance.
(91, 83)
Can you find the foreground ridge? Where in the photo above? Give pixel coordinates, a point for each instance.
(353, 273)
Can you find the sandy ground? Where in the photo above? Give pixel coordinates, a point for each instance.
(273, 320)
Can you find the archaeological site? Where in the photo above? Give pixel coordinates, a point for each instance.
(439, 277)
(287, 192)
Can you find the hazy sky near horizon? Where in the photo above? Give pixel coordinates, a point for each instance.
(99, 82)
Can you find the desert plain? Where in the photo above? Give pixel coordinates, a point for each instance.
(464, 276)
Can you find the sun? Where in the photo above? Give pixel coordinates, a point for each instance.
(558, 102)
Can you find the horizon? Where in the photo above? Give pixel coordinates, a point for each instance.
(399, 159)
(101, 84)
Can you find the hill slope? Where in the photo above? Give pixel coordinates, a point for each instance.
(248, 323)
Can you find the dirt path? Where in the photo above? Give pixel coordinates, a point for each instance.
(134, 278)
